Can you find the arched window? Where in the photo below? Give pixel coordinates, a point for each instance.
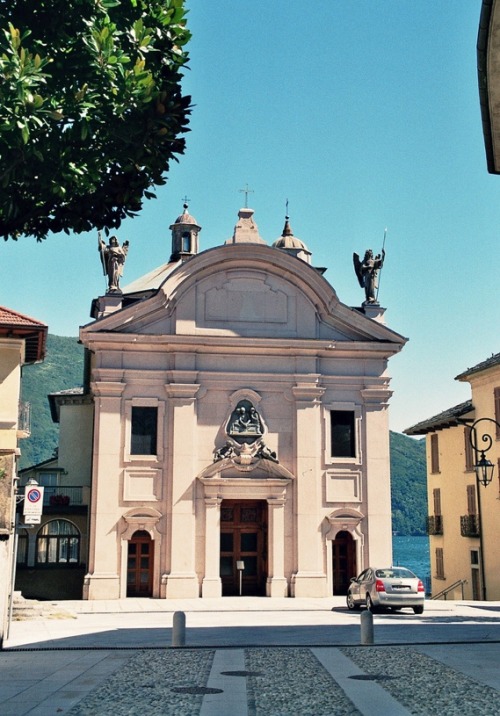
(186, 242)
(58, 542)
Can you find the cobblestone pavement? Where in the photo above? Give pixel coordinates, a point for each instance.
(261, 662)
(273, 681)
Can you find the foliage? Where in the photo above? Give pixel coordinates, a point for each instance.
(62, 369)
(409, 485)
(90, 110)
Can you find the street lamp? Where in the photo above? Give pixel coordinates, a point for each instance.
(484, 468)
(484, 474)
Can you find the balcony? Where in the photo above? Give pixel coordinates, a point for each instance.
(24, 420)
(435, 525)
(61, 496)
(469, 525)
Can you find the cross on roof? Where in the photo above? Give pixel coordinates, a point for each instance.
(246, 191)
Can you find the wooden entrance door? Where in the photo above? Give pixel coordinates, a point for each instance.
(344, 562)
(243, 537)
(140, 565)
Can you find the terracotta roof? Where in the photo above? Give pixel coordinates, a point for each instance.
(16, 325)
(447, 419)
(484, 365)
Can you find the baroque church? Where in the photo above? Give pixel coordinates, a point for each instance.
(235, 420)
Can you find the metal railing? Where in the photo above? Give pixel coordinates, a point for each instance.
(444, 592)
(60, 496)
(435, 525)
(469, 525)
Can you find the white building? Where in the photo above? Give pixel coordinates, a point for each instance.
(240, 420)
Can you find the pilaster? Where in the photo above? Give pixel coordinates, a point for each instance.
(212, 584)
(310, 579)
(182, 581)
(277, 585)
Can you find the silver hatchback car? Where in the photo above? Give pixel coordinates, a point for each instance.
(386, 588)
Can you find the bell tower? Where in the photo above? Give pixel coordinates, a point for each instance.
(185, 230)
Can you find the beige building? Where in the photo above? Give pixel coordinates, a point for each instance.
(22, 341)
(240, 421)
(233, 424)
(463, 517)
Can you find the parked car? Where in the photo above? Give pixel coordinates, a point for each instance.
(388, 587)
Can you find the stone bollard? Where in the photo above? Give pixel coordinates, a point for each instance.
(367, 627)
(179, 629)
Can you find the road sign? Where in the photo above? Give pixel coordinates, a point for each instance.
(31, 520)
(33, 500)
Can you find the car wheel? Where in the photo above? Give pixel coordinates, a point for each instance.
(369, 605)
(418, 610)
(351, 604)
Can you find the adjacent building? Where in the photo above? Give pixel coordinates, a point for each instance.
(463, 519)
(22, 341)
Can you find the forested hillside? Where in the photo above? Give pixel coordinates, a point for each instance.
(63, 369)
(409, 485)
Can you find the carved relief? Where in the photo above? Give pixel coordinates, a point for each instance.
(244, 437)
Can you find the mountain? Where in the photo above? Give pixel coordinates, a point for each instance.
(409, 485)
(63, 369)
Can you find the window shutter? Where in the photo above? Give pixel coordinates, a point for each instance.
(471, 500)
(437, 502)
(434, 453)
(497, 410)
(469, 453)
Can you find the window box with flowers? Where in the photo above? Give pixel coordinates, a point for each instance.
(59, 500)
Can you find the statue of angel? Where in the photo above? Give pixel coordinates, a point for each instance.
(113, 260)
(367, 273)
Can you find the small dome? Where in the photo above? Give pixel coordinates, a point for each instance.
(186, 218)
(288, 241)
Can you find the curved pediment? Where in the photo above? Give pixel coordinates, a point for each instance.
(248, 291)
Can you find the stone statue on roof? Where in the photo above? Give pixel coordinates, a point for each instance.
(367, 273)
(113, 260)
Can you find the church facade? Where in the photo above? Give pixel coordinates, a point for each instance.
(240, 426)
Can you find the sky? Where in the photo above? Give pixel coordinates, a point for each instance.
(364, 116)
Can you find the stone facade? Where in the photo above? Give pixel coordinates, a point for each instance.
(240, 420)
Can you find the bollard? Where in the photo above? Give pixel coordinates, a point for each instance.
(179, 629)
(367, 627)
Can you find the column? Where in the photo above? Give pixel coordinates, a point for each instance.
(310, 578)
(212, 584)
(277, 585)
(103, 578)
(377, 476)
(182, 581)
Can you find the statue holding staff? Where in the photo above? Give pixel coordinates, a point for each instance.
(367, 272)
(113, 260)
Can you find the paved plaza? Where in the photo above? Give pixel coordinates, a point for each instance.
(248, 656)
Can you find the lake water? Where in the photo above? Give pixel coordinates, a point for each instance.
(412, 552)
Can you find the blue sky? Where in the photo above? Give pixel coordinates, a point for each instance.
(364, 115)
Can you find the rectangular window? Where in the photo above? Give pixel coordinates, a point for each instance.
(469, 453)
(437, 501)
(471, 500)
(48, 479)
(144, 430)
(496, 394)
(434, 453)
(343, 443)
(439, 563)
